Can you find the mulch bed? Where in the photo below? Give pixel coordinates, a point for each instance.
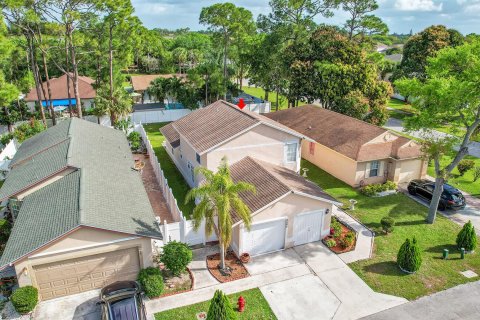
(237, 270)
(338, 248)
(176, 285)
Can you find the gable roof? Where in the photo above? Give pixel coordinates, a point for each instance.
(60, 91)
(109, 195)
(217, 123)
(272, 184)
(142, 82)
(344, 134)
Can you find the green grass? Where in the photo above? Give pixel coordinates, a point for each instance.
(381, 272)
(256, 307)
(175, 179)
(464, 183)
(272, 97)
(400, 105)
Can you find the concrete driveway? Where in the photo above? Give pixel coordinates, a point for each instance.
(82, 306)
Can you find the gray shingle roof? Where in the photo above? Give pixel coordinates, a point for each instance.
(110, 195)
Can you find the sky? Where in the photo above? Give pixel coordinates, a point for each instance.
(400, 15)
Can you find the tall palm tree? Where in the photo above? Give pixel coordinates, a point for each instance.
(217, 197)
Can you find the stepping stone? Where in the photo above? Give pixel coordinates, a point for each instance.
(469, 274)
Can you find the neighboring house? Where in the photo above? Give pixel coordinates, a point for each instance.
(82, 217)
(287, 209)
(141, 83)
(352, 150)
(59, 90)
(6, 155)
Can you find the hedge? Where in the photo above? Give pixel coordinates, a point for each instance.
(176, 256)
(25, 299)
(372, 189)
(151, 281)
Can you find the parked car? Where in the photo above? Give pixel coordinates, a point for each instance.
(451, 197)
(122, 300)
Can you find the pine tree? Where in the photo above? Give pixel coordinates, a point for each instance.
(220, 308)
(467, 238)
(409, 257)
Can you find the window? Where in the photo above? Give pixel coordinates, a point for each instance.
(198, 157)
(374, 168)
(312, 148)
(291, 152)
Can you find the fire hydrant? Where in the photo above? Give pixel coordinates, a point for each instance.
(241, 304)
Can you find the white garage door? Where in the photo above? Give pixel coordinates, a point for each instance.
(410, 169)
(307, 227)
(265, 237)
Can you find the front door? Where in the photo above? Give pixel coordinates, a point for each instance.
(307, 227)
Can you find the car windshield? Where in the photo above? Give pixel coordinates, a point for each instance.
(125, 309)
(456, 197)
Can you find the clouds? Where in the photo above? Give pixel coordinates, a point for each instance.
(418, 5)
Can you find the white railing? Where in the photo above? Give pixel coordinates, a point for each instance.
(181, 229)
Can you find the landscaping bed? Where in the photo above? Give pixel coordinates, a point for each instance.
(338, 248)
(256, 307)
(237, 270)
(174, 285)
(381, 272)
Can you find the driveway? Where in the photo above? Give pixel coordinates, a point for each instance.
(82, 306)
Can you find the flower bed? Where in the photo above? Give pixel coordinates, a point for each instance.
(340, 238)
(379, 190)
(176, 285)
(232, 263)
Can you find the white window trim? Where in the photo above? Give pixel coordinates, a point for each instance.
(378, 169)
(285, 151)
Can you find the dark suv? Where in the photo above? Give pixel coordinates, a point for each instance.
(122, 300)
(451, 197)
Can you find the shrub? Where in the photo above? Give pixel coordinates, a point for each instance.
(372, 189)
(347, 240)
(390, 185)
(151, 281)
(337, 227)
(135, 140)
(476, 173)
(467, 238)
(5, 228)
(465, 165)
(409, 257)
(369, 190)
(331, 243)
(220, 307)
(25, 299)
(388, 224)
(176, 256)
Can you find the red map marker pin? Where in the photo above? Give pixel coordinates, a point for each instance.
(241, 104)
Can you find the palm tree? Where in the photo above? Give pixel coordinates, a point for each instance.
(157, 89)
(119, 107)
(218, 196)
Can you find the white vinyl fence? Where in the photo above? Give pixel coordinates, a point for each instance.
(152, 116)
(182, 229)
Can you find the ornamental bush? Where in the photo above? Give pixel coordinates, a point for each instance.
(330, 243)
(409, 258)
(476, 173)
(465, 165)
(151, 281)
(5, 228)
(467, 238)
(337, 227)
(176, 256)
(220, 308)
(372, 189)
(135, 140)
(388, 224)
(24, 299)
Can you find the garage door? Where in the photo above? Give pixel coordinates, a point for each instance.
(82, 274)
(265, 237)
(307, 227)
(410, 170)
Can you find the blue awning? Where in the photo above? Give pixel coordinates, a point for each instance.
(60, 102)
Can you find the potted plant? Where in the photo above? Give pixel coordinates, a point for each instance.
(245, 257)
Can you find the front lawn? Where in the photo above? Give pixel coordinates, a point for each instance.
(256, 307)
(464, 183)
(272, 97)
(381, 272)
(175, 179)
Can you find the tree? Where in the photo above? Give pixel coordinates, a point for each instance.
(157, 89)
(360, 22)
(176, 256)
(451, 90)
(8, 94)
(409, 257)
(180, 56)
(422, 46)
(118, 107)
(230, 24)
(220, 307)
(467, 238)
(217, 196)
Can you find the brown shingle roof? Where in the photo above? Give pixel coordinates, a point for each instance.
(59, 89)
(142, 82)
(272, 182)
(208, 127)
(171, 134)
(344, 134)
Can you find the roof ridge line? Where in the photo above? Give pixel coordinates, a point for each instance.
(37, 153)
(236, 108)
(69, 136)
(81, 197)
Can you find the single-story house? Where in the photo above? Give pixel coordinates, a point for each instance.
(287, 209)
(82, 217)
(141, 83)
(60, 93)
(352, 150)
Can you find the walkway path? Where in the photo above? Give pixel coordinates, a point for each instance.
(364, 245)
(459, 302)
(397, 125)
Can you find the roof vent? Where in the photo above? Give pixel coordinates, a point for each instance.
(309, 127)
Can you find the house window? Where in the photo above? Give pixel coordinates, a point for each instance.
(312, 148)
(374, 168)
(198, 157)
(291, 152)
